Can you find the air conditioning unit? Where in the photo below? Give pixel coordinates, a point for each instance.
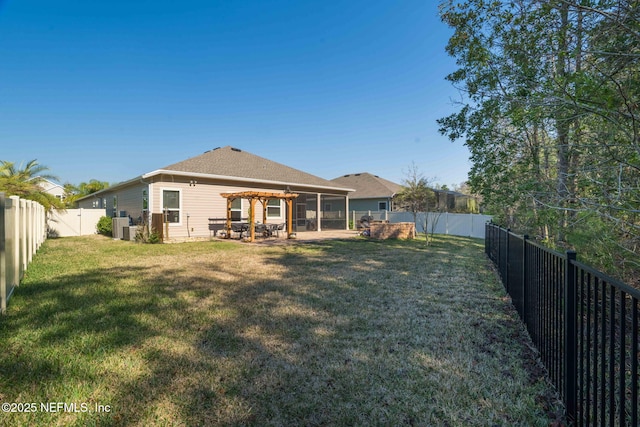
(118, 224)
(129, 233)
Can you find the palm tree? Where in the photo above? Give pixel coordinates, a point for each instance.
(25, 182)
(74, 192)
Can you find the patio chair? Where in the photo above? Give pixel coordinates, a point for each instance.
(279, 228)
(262, 229)
(239, 228)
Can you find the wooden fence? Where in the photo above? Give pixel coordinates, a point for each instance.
(22, 231)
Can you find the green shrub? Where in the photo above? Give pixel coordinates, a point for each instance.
(105, 226)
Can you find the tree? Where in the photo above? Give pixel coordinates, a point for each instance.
(550, 115)
(416, 195)
(75, 192)
(25, 182)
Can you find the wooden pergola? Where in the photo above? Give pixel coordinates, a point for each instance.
(262, 197)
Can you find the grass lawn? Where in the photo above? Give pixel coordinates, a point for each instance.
(337, 333)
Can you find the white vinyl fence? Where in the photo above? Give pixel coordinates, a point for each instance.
(74, 222)
(455, 224)
(22, 231)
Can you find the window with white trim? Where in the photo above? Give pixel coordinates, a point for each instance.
(236, 210)
(171, 206)
(382, 206)
(274, 209)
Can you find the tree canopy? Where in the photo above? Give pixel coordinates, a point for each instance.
(550, 95)
(26, 182)
(75, 192)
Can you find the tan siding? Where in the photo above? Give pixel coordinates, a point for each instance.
(201, 202)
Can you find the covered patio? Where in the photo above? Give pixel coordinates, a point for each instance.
(263, 197)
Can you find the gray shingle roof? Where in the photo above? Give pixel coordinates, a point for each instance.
(233, 162)
(367, 186)
(229, 162)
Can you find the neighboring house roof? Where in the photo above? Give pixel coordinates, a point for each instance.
(50, 186)
(368, 186)
(230, 163)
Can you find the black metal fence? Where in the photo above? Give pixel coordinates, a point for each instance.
(584, 324)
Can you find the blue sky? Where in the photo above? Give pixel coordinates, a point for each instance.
(113, 89)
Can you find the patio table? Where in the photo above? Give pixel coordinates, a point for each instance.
(266, 229)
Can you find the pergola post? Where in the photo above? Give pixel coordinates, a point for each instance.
(264, 210)
(252, 228)
(229, 202)
(289, 217)
(264, 198)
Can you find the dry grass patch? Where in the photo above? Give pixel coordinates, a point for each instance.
(215, 333)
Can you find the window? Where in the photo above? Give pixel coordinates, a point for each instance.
(144, 216)
(115, 206)
(236, 210)
(382, 206)
(171, 205)
(273, 208)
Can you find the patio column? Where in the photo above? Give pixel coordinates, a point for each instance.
(319, 212)
(346, 213)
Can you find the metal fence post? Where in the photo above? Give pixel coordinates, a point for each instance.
(487, 237)
(570, 339)
(506, 260)
(525, 239)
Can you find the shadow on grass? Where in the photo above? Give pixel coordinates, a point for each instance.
(332, 332)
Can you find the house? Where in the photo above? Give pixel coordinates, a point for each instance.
(455, 202)
(188, 193)
(371, 193)
(52, 188)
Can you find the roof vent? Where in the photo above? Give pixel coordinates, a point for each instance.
(217, 148)
(236, 149)
(357, 174)
(346, 176)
